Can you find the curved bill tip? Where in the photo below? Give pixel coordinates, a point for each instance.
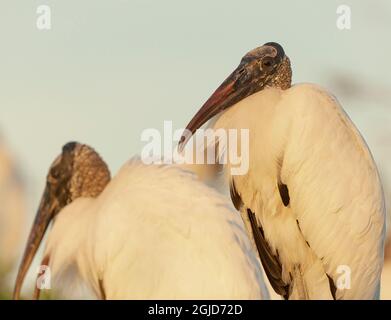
(37, 291)
(225, 95)
(186, 135)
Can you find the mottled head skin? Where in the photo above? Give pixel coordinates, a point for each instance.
(78, 172)
(267, 66)
(85, 173)
(262, 67)
(283, 77)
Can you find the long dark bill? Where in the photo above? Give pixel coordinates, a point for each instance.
(231, 91)
(40, 225)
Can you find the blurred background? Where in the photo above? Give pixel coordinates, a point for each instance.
(109, 69)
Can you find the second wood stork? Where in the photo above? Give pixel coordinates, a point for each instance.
(312, 198)
(152, 232)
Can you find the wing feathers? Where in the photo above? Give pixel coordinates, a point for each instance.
(236, 199)
(270, 262)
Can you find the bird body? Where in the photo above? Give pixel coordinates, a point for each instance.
(311, 198)
(335, 214)
(155, 232)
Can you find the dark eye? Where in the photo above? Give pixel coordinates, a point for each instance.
(55, 173)
(52, 177)
(267, 63)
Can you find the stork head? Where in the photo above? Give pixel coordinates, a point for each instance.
(78, 172)
(262, 67)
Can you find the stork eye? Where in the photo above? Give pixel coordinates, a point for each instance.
(53, 176)
(267, 63)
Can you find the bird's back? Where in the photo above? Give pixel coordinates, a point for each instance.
(336, 190)
(161, 234)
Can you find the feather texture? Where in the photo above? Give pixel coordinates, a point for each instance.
(156, 232)
(315, 190)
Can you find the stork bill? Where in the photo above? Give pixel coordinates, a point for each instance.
(311, 199)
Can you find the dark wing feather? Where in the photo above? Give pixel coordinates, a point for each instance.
(270, 262)
(235, 196)
(102, 290)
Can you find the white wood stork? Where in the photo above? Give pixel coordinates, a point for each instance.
(312, 198)
(152, 232)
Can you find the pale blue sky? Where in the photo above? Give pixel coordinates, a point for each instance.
(109, 69)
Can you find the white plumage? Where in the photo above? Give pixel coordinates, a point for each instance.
(312, 198)
(336, 204)
(155, 232)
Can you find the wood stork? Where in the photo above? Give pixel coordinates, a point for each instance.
(312, 198)
(152, 232)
